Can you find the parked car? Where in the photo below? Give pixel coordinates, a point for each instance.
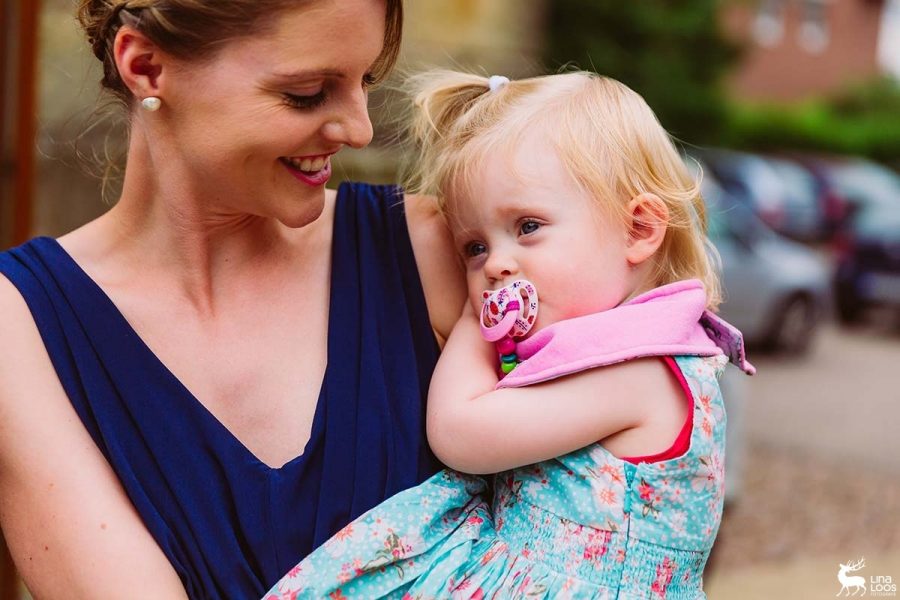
(749, 179)
(868, 261)
(780, 192)
(864, 183)
(805, 218)
(776, 290)
(774, 293)
(830, 195)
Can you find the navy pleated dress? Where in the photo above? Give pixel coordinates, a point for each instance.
(231, 525)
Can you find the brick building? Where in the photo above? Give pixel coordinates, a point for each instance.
(795, 49)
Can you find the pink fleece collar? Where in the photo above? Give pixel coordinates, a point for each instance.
(670, 320)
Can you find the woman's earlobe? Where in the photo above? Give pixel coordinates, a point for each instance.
(648, 218)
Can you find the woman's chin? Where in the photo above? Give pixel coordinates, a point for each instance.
(300, 216)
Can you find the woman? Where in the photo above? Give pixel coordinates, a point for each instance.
(205, 383)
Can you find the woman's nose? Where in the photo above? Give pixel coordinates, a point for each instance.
(350, 125)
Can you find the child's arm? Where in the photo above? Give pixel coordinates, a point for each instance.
(476, 429)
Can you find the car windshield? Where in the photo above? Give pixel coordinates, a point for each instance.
(798, 183)
(754, 177)
(726, 217)
(867, 183)
(878, 222)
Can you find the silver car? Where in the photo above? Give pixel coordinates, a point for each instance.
(776, 290)
(775, 293)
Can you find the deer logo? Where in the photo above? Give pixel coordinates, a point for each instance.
(855, 581)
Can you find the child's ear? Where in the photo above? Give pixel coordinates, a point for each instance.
(139, 61)
(648, 219)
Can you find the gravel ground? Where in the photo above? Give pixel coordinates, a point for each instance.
(819, 468)
(796, 506)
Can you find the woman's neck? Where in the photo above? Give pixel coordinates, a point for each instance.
(163, 224)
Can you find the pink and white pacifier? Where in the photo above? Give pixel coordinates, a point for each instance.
(506, 314)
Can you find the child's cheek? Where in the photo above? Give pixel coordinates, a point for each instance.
(584, 300)
(476, 305)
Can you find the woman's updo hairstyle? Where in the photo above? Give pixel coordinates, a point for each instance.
(195, 29)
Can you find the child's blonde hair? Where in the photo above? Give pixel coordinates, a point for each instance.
(604, 133)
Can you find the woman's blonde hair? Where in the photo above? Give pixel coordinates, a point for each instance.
(604, 133)
(195, 29)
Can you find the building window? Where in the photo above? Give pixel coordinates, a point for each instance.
(889, 39)
(813, 34)
(768, 27)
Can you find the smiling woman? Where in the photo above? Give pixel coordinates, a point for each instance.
(205, 383)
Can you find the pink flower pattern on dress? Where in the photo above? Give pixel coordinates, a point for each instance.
(664, 572)
(583, 525)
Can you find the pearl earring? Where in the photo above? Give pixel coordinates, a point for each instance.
(151, 103)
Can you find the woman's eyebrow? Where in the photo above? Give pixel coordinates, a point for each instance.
(304, 74)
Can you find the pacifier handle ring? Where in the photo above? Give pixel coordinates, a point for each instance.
(501, 329)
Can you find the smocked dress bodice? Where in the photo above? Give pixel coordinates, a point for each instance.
(617, 529)
(584, 525)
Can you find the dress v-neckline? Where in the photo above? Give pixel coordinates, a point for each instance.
(229, 524)
(141, 345)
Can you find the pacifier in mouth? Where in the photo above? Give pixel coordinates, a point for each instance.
(506, 314)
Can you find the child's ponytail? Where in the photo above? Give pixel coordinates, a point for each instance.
(440, 105)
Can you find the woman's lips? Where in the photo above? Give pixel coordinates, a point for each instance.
(313, 171)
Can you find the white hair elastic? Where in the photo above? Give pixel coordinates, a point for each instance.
(495, 82)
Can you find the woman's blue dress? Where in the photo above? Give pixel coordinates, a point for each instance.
(229, 524)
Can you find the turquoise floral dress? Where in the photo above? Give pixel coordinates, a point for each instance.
(583, 525)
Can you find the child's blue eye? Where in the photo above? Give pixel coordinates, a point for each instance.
(474, 249)
(529, 227)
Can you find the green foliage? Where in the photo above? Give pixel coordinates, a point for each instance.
(880, 96)
(673, 54)
(864, 120)
(670, 52)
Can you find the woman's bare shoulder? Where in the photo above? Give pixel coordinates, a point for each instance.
(69, 525)
(14, 317)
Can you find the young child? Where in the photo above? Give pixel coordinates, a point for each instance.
(584, 370)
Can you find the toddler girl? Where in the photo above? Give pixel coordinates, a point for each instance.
(583, 370)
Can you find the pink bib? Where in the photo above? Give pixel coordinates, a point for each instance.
(670, 320)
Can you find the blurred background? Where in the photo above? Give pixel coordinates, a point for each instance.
(790, 111)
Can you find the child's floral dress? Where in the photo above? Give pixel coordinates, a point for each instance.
(583, 525)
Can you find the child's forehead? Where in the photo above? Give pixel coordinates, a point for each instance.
(480, 207)
(491, 191)
(504, 175)
(515, 170)
(474, 209)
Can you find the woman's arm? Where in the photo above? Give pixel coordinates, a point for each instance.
(476, 429)
(441, 273)
(70, 527)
